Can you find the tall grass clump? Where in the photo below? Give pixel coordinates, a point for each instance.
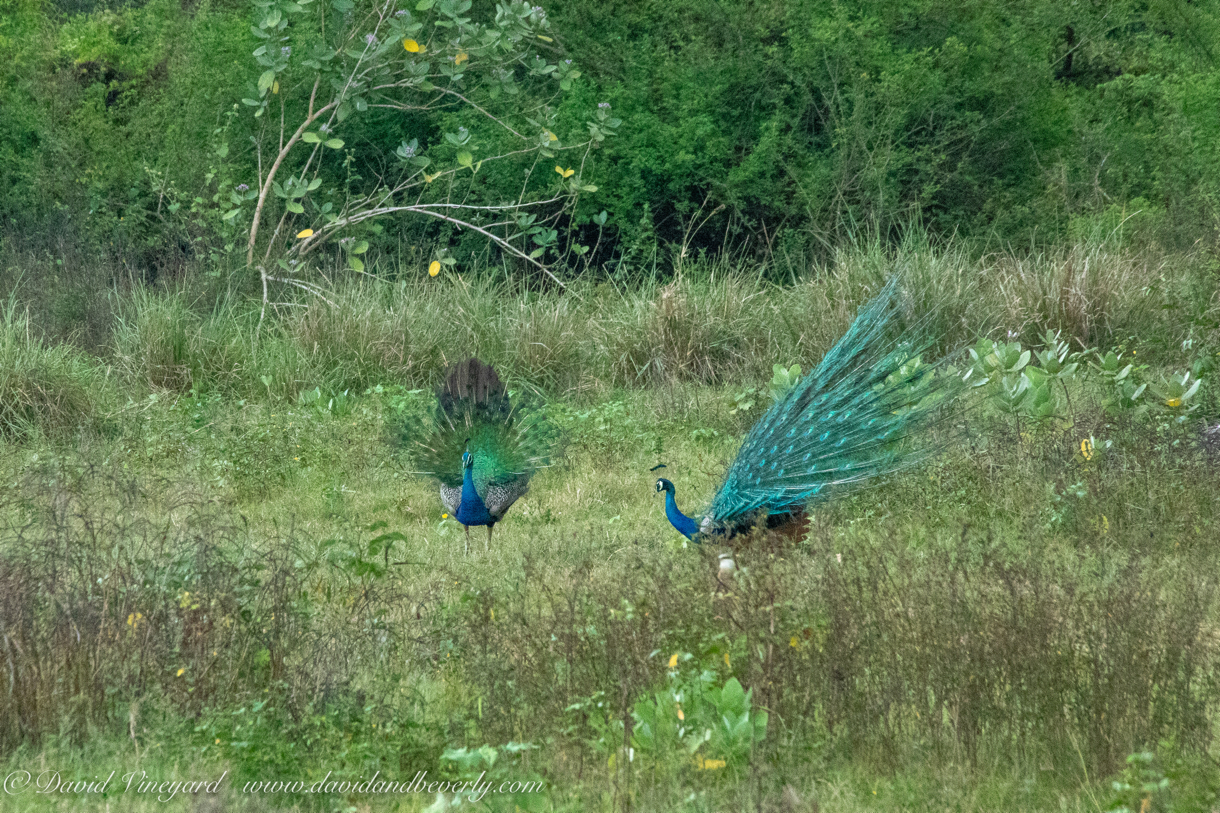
(165, 342)
(52, 390)
(718, 321)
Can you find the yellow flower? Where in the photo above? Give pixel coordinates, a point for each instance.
(434, 268)
(565, 173)
(795, 644)
(460, 58)
(444, 516)
(412, 46)
(673, 661)
(218, 740)
(301, 235)
(1086, 448)
(681, 714)
(710, 764)
(1173, 402)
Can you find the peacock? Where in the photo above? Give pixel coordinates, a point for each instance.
(481, 446)
(863, 412)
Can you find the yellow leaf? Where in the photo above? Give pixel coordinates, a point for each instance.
(1086, 448)
(795, 644)
(551, 137)
(433, 270)
(412, 46)
(180, 671)
(681, 715)
(711, 764)
(566, 173)
(1174, 402)
(726, 661)
(276, 87)
(301, 235)
(545, 39)
(460, 58)
(429, 178)
(673, 661)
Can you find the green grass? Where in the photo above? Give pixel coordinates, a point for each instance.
(204, 583)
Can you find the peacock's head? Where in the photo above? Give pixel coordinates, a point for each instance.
(663, 485)
(467, 457)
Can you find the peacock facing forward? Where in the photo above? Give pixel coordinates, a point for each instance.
(863, 412)
(481, 446)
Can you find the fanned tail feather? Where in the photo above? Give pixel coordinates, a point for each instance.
(509, 442)
(860, 414)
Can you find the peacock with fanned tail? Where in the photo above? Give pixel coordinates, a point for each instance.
(863, 412)
(481, 446)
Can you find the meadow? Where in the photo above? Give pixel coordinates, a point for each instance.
(214, 556)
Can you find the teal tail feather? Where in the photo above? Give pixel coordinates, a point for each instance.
(864, 412)
(509, 441)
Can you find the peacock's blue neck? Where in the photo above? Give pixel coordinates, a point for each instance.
(472, 510)
(684, 524)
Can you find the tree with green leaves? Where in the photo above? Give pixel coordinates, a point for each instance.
(463, 94)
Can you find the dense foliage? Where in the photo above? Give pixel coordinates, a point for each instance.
(773, 126)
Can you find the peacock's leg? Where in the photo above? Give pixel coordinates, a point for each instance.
(466, 551)
(488, 545)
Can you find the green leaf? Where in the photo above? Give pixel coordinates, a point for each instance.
(314, 184)
(424, 5)
(266, 81)
(356, 263)
(311, 138)
(294, 207)
(229, 215)
(335, 143)
(360, 247)
(464, 158)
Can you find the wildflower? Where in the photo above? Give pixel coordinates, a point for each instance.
(286, 50)
(567, 62)
(241, 187)
(1173, 403)
(445, 516)
(603, 105)
(402, 12)
(370, 39)
(407, 151)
